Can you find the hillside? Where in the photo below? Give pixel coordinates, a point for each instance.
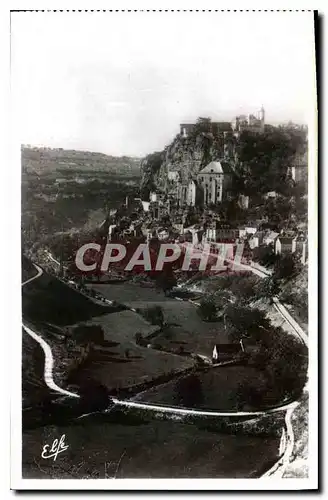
(42, 160)
(65, 190)
(294, 294)
(49, 299)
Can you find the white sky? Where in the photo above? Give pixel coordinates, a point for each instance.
(121, 83)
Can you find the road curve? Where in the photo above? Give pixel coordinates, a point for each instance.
(49, 360)
(277, 471)
(280, 466)
(48, 377)
(288, 437)
(290, 320)
(186, 411)
(49, 364)
(277, 304)
(39, 273)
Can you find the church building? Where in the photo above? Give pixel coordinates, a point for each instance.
(215, 180)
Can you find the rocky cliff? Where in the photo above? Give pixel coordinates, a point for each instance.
(259, 160)
(185, 156)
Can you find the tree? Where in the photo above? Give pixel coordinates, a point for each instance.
(246, 322)
(268, 288)
(84, 333)
(287, 364)
(154, 315)
(264, 254)
(166, 280)
(138, 338)
(263, 159)
(207, 309)
(250, 395)
(94, 396)
(243, 288)
(285, 267)
(189, 392)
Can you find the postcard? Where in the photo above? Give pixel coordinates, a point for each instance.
(168, 169)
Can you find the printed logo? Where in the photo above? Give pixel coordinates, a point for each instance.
(54, 450)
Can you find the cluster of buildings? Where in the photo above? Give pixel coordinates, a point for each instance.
(253, 123)
(174, 226)
(283, 242)
(202, 190)
(191, 186)
(211, 184)
(256, 235)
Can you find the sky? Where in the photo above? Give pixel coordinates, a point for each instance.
(121, 83)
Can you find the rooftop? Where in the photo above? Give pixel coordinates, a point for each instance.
(217, 167)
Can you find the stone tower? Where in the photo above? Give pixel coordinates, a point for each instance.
(262, 116)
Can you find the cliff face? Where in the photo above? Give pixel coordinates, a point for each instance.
(150, 168)
(185, 157)
(260, 159)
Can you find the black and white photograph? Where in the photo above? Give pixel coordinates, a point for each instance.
(168, 176)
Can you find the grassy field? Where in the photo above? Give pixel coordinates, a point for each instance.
(115, 371)
(123, 365)
(186, 327)
(122, 326)
(219, 387)
(154, 450)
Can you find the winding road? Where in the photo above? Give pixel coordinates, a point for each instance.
(49, 360)
(48, 378)
(264, 273)
(287, 440)
(39, 273)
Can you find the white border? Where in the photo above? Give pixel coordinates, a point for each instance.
(12, 225)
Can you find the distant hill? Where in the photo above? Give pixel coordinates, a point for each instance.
(45, 160)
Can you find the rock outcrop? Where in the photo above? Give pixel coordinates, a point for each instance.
(186, 156)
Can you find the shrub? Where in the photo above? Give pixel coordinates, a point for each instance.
(154, 315)
(285, 267)
(188, 391)
(207, 309)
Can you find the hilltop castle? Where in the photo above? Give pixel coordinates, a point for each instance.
(211, 184)
(253, 123)
(197, 168)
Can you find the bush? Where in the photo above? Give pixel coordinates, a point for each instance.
(138, 338)
(267, 288)
(207, 309)
(285, 267)
(246, 322)
(264, 255)
(188, 391)
(154, 315)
